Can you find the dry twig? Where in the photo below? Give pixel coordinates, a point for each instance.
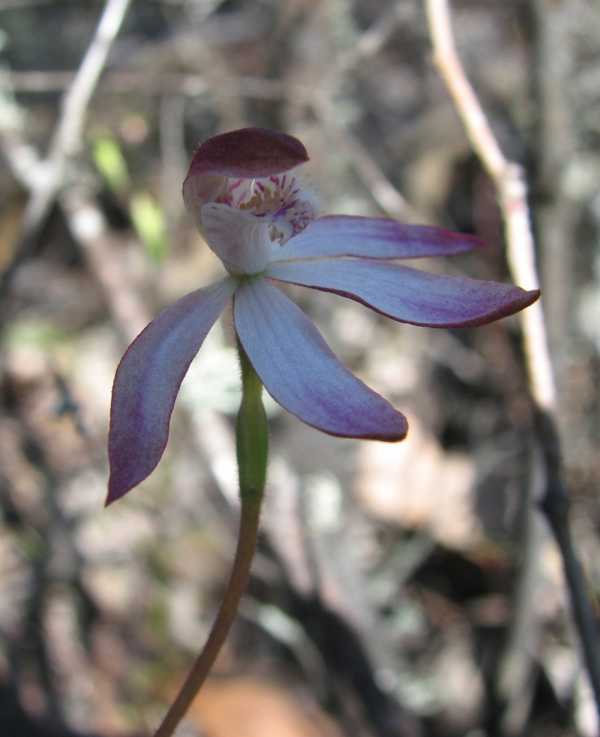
(189, 85)
(47, 177)
(512, 194)
(389, 199)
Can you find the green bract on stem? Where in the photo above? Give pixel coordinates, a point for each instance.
(252, 449)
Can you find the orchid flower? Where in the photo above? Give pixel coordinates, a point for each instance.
(244, 189)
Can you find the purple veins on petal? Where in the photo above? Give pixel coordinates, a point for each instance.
(245, 154)
(302, 374)
(406, 294)
(148, 380)
(377, 238)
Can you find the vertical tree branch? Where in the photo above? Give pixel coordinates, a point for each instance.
(511, 188)
(512, 194)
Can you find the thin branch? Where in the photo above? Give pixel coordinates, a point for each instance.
(512, 193)
(66, 141)
(511, 186)
(389, 199)
(68, 135)
(373, 39)
(189, 84)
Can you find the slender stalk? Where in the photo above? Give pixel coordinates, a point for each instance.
(252, 446)
(227, 611)
(252, 436)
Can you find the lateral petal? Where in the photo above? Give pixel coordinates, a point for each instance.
(148, 380)
(377, 238)
(302, 374)
(406, 294)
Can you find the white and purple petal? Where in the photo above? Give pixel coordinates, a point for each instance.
(406, 294)
(239, 239)
(248, 153)
(377, 238)
(148, 379)
(302, 374)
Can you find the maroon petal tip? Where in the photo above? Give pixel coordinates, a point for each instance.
(450, 241)
(118, 488)
(248, 153)
(113, 495)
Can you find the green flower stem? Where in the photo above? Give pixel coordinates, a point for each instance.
(252, 434)
(252, 448)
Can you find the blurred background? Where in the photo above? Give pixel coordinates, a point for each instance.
(399, 590)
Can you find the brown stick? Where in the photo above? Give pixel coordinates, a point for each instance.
(511, 187)
(512, 194)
